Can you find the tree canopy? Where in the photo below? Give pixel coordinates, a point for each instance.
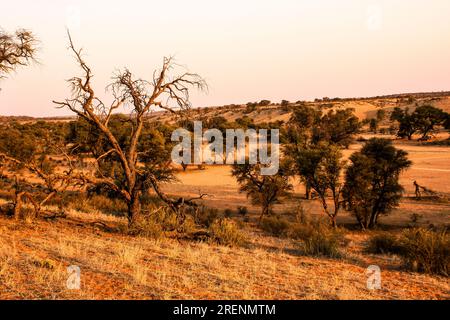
(372, 185)
(18, 49)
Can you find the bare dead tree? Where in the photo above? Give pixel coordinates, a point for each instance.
(163, 91)
(18, 49)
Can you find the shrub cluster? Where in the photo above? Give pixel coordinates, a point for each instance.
(318, 238)
(315, 236)
(275, 225)
(383, 243)
(225, 232)
(422, 250)
(426, 251)
(158, 220)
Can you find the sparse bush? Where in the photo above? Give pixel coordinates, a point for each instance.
(188, 227)
(264, 103)
(251, 106)
(263, 190)
(382, 244)
(383, 131)
(158, 221)
(45, 263)
(318, 238)
(107, 205)
(225, 232)
(275, 225)
(426, 251)
(27, 213)
(146, 227)
(228, 213)
(150, 199)
(322, 244)
(7, 209)
(373, 124)
(205, 216)
(415, 217)
(87, 204)
(284, 103)
(300, 231)
(243, 211)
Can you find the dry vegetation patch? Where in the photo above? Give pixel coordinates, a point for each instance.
(114, 265)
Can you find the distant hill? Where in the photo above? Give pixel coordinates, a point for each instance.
(365, 107)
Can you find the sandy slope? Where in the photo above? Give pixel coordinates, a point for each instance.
(114, 266)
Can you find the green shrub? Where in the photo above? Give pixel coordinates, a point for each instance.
(225, 232)
(382, 244)
(275, 225)
(426, 251)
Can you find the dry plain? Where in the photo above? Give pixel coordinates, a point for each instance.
(34, 255)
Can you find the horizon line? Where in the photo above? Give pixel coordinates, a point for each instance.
(424, 94)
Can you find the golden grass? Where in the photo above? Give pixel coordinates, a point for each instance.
(34, 255)
(33, 262)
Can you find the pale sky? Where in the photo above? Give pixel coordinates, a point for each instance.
(247, 50)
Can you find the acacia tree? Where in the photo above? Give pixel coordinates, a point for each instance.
(170, 93)
(313, 143)
(35, 148)
(17, 49)
(446, 123)
(154, 149)
(406, 122)
(423, 120)
(427, 117)
(320, 167)
(309, 127)
(336, 127)
(371, 181)
(381, 115)
(373, 125)
(263, 190)
(298, 134)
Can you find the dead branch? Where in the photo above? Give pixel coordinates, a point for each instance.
(142, 96)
